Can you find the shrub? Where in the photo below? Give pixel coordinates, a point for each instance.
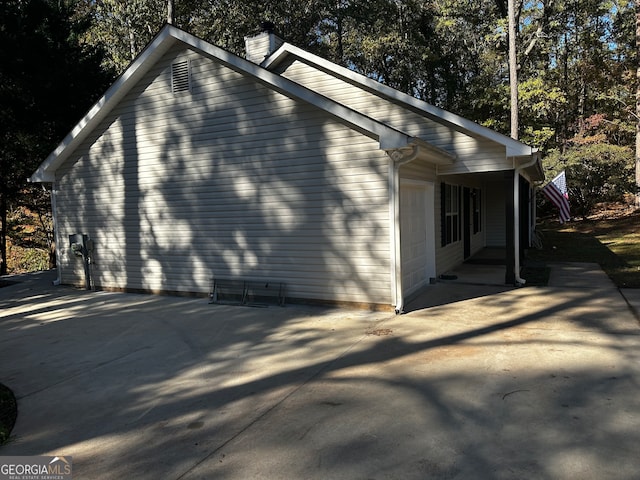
(596, 173)
(22, 259)
(8, 413)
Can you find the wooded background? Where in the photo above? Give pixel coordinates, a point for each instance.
(576, 59)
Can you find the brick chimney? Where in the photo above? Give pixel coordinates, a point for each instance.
(260, 46)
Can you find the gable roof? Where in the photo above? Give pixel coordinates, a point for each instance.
(514, 148)
(388, 137)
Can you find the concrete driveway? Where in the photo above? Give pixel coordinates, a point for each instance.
(489, 383)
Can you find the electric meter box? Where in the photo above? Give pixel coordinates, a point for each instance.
(79, 243)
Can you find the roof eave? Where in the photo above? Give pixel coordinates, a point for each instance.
(514, 147)
(387, 136)
(531, 163)
(518, 149)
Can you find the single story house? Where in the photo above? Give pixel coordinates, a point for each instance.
(198, 163)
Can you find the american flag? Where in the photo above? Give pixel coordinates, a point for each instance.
(556, 192)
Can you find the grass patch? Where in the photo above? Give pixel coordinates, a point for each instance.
(614, 243)
(8, 413)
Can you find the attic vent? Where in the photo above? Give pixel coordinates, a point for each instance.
(180, 77)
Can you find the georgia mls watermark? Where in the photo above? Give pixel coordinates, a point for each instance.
(36, 468)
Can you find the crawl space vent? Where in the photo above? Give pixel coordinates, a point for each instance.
(180, 77)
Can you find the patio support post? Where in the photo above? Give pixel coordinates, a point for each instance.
(509, 212)
(398, 157)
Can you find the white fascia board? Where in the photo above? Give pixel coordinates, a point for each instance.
(514, 148)
(387, 136)
(138, 68)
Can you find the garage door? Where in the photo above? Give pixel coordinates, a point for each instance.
(417, 241)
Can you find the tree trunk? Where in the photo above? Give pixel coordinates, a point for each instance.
(513, 69)
(170, 12)
(3, 232)
(637, 192)
(132, 40)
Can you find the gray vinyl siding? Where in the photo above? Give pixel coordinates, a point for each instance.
(418, 170)
(473, 154)
(229, 179)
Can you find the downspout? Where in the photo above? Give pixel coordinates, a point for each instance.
(516, 217)
(54, 215)
(398, 159)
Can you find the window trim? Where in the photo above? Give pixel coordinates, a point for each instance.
(450, 213)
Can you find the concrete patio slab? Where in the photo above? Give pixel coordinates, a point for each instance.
(578, 275)
(519, 383)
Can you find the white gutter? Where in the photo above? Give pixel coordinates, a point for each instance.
(516, 216)
(398, 159)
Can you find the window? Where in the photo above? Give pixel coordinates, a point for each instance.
(450, 214)
(476, 210)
